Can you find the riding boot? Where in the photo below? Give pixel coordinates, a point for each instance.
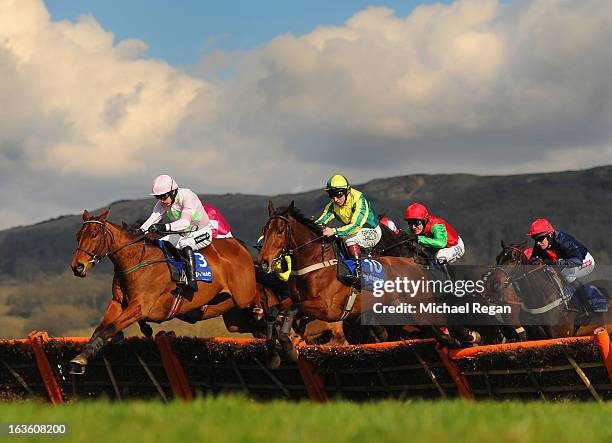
(578, 288)
(355, 253)
(448, 270)
(190, 268)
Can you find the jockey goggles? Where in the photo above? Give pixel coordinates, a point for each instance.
(163, 196)
(333, 193)
(540, 237)
(415, 222)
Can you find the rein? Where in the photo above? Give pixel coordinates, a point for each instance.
(511, 280)
(287, 251)
(95, 258)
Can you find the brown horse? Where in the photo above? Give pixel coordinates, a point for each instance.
(541, 292)
(142, 287)
(316, 290)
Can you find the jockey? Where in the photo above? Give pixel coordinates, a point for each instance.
(434, 233)
(188, 220)
(561, 249)
(360, 227)
(220, 226)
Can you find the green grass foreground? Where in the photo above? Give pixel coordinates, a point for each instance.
(236, 419)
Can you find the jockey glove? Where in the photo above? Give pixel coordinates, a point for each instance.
(157, 227)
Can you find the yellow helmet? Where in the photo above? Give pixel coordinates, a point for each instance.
(337, 183)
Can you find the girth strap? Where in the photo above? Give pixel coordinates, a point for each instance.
(543, 309)
(350, 302)
(315, 267)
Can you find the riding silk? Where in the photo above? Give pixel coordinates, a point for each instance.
(356, 213)
(438, 234)
(185, 214)
(568, 251)
(220, 226)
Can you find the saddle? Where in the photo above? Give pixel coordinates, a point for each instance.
(177, 266)
(346, 267)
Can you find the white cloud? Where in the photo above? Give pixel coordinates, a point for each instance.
(474, 86)
(111, 108)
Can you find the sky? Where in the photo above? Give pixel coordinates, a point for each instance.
(270, 97)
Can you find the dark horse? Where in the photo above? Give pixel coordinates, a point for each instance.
(543, 296)
(315, 288)
(142, 286)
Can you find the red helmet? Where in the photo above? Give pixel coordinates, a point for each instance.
(416, 211)
(541, 226)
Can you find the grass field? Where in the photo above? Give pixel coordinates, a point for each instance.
(235, 419)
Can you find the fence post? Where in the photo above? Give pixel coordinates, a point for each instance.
(603, 342)
(314, 383)
(463, 386)
(36, 340)
(172, 365)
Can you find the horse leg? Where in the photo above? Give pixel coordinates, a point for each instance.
(113, 310)
(284, 337)
(211, 311)
(101, 336)
(146, 330)
(273, 360)
(445, 339)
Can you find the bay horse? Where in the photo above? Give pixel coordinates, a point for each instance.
(143, 289)
(316, 291)
(540, 291)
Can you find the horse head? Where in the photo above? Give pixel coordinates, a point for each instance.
(511, 254)
(93, 243)
(498, 288)
(286, 231)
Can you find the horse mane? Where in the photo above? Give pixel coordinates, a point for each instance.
(300, 218)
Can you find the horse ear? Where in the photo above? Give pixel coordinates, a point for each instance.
(503, 244)
(270, 208)
(292, 205)
(85, 215)
(124, 225)
(104, 215)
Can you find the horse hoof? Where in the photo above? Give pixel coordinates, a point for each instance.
(476, 338)
(146, 330)
(77, 369)
(273, 361)
(290, 351)
(379, 333)
(78, 361)
(118, 338)
(293, 354)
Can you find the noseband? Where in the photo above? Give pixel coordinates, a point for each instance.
(95, 258)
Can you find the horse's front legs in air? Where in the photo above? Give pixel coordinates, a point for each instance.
(101, 335)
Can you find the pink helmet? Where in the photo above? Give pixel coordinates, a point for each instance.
(163, 184)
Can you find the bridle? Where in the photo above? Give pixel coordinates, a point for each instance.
(95, 256)
(286, 250)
